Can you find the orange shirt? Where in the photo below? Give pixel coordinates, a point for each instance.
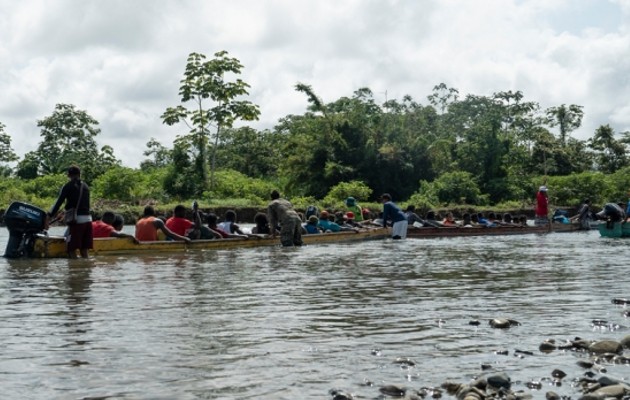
(145, 230)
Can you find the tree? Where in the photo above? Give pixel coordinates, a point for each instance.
(610, 153)
(567, 119)
(250, 152)
(7, 154)
(161, 156)
(442, 96)
(68, 137)
(205, 80)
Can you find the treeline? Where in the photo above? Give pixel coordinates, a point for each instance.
(449, 150)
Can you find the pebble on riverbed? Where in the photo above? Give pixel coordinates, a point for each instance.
(503, 323)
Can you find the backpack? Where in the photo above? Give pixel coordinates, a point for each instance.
(311, 210)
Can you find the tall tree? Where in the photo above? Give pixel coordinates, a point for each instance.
(567, 119)
(249, 152)
(610, 152)
(160, 156)
(7, 154)
(442, 96)
(68, 137)
(206, 80)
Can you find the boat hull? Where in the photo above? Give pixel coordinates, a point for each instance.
(614, 230)
(430, 232)
(55, 246)
(572, 227)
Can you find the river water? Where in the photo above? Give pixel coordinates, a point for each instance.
(276, 323)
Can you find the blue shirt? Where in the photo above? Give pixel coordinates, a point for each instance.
(310, 228)
(326, 225)
(392, 212)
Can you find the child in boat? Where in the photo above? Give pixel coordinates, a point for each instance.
(311, 225)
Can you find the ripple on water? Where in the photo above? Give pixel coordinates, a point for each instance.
(294, 323)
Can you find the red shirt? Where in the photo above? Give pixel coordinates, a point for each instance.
(179, 225)
(101, 230)
(541, 204)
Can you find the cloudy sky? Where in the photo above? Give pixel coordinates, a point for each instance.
(122, 60)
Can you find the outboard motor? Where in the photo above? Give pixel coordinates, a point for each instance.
(24, 221)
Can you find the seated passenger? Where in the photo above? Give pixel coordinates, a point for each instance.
(262, 224)
(148, 225)
(467, 221)
(430, 220)
(213, 231)
(350, 220)
(412, 217)
(311, 210)
(509, 221)
(481, 219)
(327, 223)
(229, 224)
(493, 221)
(119, 222)
(449, 220)
(178, 222)
(104, 228)
(354, 208)
(561, 216)
(522, 220)
(311, 225)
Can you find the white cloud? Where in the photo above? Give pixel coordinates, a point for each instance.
(122, 61)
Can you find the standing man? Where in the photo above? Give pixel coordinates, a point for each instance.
(392, 212)
(281, 211)
(542, 207)
(76, 195)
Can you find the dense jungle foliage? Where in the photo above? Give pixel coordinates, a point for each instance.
(450, 150)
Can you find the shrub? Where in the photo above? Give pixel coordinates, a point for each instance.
(45, 187)
(573, 189)
(233, 184)
(118, 183)
(340, 192)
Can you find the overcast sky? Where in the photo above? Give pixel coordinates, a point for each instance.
(122, 60)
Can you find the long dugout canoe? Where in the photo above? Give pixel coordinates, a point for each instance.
(55, 246)
(430, 232)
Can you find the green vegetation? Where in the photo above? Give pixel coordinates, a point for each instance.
(457, 152)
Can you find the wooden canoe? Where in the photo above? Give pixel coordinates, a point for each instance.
(572, 227)
(430, 232)
(55, 246)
